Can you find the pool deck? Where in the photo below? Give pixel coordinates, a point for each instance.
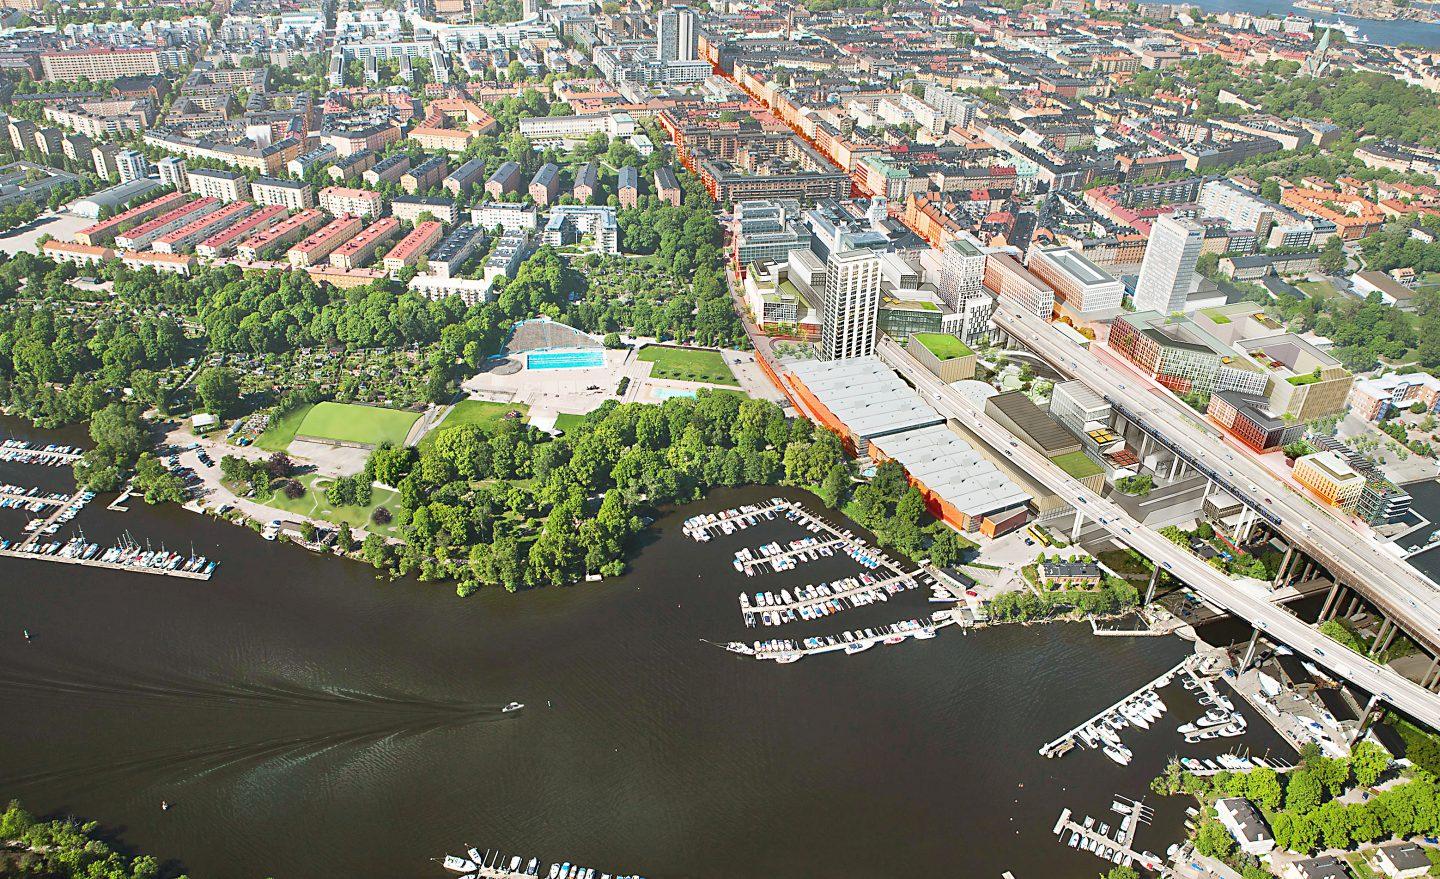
(553, 391)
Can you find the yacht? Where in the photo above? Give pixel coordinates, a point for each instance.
(1119, 753)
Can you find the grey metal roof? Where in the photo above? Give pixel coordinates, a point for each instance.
(866, 395)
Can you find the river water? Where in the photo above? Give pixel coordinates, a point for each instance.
(1384, 33)
(306, 719)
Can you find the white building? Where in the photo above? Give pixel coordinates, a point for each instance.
(132, 165)
(852, 305)
(1169, 264)
(228, 186)
(510, 217)
(1245, 824)
(172, 173)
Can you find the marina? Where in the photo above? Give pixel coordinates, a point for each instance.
(49, 455)
(494, 864)
(1101, 731)
(787, 650)
(817, 601)
(31, 500)
(125, 556)
(704, 527)
(1116, 844)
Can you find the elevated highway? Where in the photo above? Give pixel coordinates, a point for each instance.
(1208, 582)
(1349, 550)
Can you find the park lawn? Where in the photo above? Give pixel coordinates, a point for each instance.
(348, 422)
(485, 414)
(314, 505)
(568, 421)
(688, 364)
(281, 432)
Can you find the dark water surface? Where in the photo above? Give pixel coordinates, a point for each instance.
(307, 720)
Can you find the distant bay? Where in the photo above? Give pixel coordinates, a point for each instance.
(1385, 33)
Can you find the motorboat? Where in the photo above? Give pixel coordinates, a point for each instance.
(513, 706)
(1119, 753)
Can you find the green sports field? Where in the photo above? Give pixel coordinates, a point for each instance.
(347, 422)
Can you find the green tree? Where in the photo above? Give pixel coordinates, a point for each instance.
(1368, 761)
(1213, 840)
(1332, 256)
(1303, 792)
(219, 390)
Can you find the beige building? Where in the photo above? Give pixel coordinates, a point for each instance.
(947, 358)
(344, 200)
(289, 194)
(99, 63)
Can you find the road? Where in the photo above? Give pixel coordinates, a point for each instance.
(1208, 582)
(1350, 550)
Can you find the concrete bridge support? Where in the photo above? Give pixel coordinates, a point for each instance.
(1369, 716)
(1332, 602)
(1250, 651)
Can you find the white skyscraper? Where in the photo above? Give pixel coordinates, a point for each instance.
(675, 34)
(1169, 264)
(852, 305)
(173, 173)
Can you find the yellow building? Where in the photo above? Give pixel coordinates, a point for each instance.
(1333, 480)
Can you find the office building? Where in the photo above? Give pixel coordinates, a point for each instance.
(1169, 264)
(1082, 289)
(1331, 478)
(1010, 282)
(1182, 356)
(852, 305)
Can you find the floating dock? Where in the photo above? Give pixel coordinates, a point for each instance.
(1096, 837)
(1070, 739)
(877, 590)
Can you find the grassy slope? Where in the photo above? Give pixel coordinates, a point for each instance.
(688, 364)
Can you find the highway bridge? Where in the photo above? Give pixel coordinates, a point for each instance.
(1288, 512)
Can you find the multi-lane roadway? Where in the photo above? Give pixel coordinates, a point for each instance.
(1208, 582)
(1351, 551)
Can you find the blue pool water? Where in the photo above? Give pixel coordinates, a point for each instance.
(667, 393)
(565, 358)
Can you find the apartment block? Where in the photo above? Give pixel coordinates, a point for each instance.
(196, 231)
(288, 230)
(145, 233)
(292, 195)
(359, 250)
(226, 186)
(358, 202)
(226, 240)
(105, 231)
(324, 241)
(410, 208)
(413, 246)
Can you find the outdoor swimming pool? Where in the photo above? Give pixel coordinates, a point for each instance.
(565, 358)
(669, 393)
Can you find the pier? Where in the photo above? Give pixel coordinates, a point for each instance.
(495, 864)
(786, 650)
(703, 528)
(1117, 849)
(1070, 739)
(15, 496)
(786, 558)
(64, 512)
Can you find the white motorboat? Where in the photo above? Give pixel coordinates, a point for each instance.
(513, 706)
